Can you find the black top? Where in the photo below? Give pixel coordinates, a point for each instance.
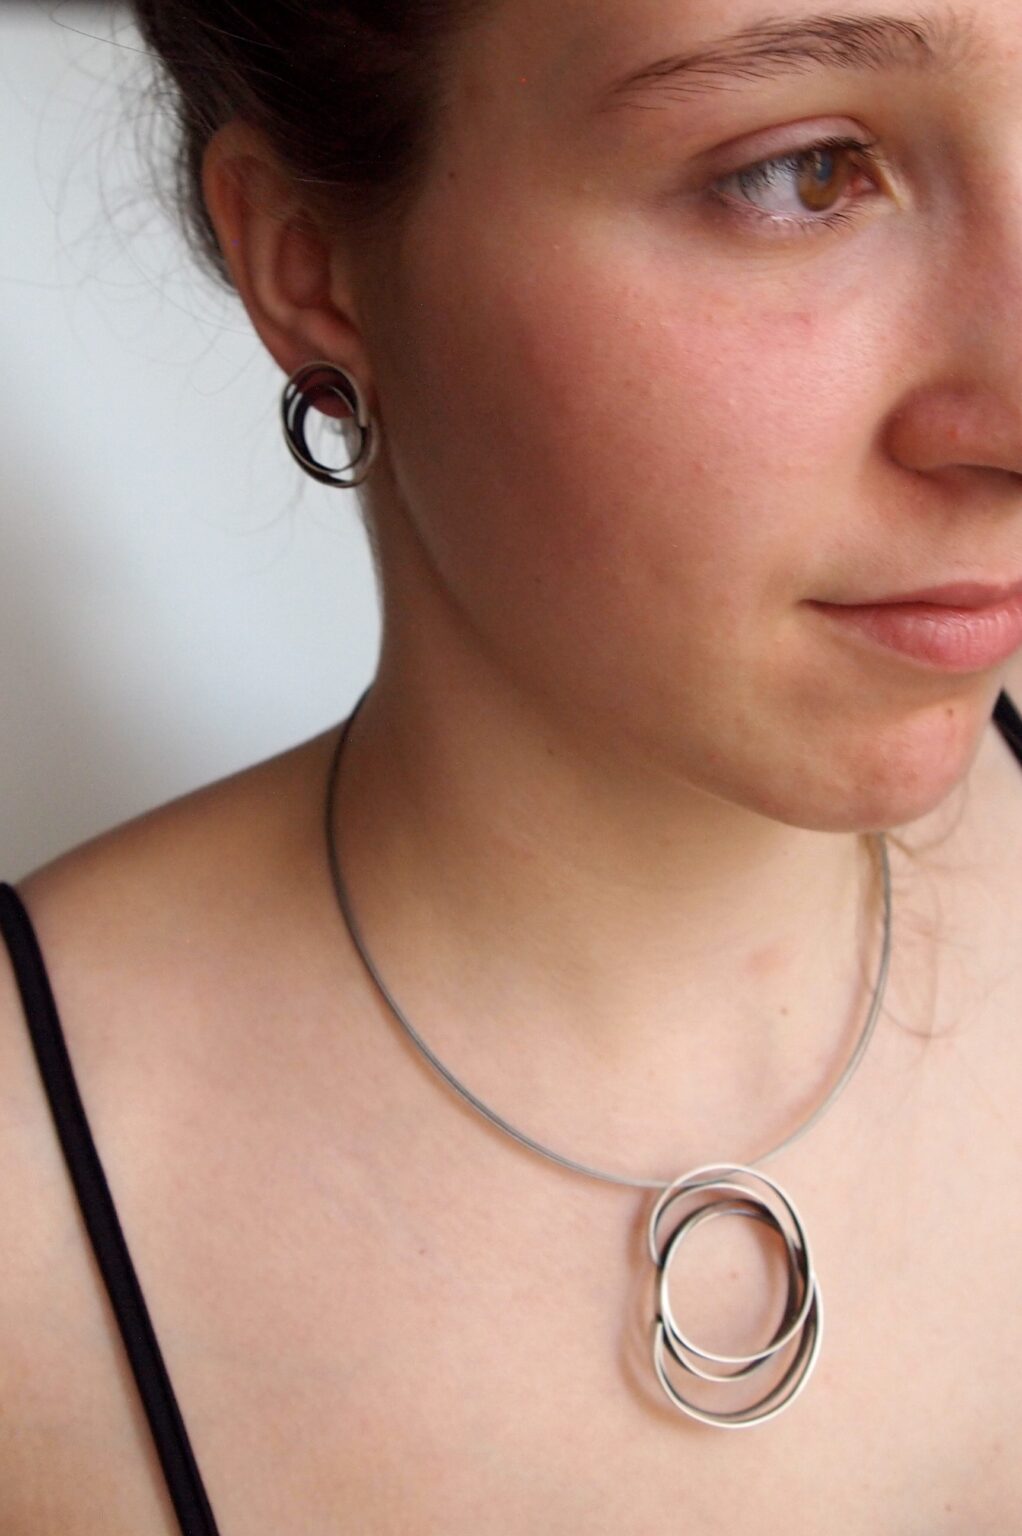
(194, 1513)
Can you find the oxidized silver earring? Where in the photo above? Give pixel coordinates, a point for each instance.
(295, 405)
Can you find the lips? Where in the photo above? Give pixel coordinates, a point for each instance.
(957, 594)
(950, 639)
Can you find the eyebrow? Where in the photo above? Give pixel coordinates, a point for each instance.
(773, 47)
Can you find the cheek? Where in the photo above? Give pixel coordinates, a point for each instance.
(622, 448)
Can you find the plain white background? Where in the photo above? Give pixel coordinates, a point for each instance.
(177, 598)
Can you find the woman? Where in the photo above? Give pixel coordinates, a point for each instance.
(680, 339)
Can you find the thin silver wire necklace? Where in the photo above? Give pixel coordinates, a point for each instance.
(733, 1189)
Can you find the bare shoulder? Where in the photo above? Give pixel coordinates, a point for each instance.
(152, 935)
(143, 894)
(189, 854)
(158, 918)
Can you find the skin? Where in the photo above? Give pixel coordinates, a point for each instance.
(613, 786)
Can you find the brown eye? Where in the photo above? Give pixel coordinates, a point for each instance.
(827, 174)
(819, 179)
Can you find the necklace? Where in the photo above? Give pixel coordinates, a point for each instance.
(713, 1190)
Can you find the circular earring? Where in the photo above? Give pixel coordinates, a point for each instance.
(295, 404)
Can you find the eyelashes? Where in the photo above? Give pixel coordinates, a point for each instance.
(843, 157)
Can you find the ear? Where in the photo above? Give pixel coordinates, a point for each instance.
(283, 267)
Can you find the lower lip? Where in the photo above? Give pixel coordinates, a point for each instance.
(948, 639)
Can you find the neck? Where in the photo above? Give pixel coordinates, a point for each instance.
(567, 928)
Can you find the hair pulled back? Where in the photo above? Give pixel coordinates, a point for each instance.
(347, 94)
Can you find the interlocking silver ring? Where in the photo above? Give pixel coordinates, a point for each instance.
(295, 404)
(803, 1314)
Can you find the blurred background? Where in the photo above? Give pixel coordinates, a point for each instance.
(177, 598)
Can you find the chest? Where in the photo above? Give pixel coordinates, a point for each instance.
(493, 1362)
(431, 1329)
(422, 1348)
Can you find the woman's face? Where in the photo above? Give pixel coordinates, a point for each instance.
(641, 410)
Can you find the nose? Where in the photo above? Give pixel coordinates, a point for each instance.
(963, 424)
(963, 434)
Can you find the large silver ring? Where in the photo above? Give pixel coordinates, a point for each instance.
(803, 1313)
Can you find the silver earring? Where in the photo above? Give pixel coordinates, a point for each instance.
(295, 404)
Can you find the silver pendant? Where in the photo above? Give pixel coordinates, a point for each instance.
(803, 1314)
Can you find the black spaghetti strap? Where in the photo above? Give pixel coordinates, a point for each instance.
(191, 1504)
(1009, 723)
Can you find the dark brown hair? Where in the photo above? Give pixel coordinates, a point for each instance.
(348, 94)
